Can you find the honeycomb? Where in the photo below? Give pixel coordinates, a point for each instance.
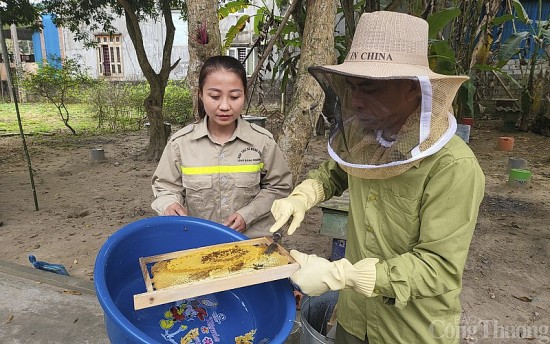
(213, 262)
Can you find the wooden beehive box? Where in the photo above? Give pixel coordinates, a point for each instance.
(335, 216)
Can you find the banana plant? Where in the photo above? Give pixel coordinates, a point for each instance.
(442, 59)
(224, 11)
(528, 46)
(261, 16)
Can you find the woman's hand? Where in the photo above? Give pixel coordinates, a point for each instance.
(236, 222)
(175, 209)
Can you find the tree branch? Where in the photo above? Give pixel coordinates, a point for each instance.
(175, 64)
(132, 23)
(271, 44)
(168, 42)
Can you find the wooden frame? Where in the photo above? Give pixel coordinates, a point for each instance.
(154, 297)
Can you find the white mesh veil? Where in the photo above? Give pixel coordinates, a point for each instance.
(371, 135)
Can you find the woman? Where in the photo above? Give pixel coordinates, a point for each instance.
(222, 168)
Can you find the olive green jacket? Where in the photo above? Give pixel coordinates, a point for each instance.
(419, 224)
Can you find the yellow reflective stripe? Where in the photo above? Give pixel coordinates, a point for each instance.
(222, 169)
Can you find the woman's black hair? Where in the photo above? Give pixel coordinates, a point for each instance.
(216, 63)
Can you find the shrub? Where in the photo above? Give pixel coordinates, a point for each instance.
(59, 82)
(119, 106)
(178, 104)
(114, 108)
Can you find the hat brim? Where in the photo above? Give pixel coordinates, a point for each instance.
(383, 71)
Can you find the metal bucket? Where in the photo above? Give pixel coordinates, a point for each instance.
(259, 120)
(463, 131)
(315, 313)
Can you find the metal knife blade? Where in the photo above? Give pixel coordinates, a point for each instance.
(276, 238)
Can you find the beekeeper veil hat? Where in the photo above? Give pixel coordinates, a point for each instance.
(383, 125)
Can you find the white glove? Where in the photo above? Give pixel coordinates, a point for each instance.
(318, 275)
(303, 197)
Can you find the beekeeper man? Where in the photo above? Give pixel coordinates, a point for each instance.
(415, 190)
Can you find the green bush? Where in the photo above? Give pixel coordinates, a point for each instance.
(114, 107)
(119, 106)
(178, 104)
(136, 94)
(58, 82)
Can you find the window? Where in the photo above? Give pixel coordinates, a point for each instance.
(240, 54)
(109, 55)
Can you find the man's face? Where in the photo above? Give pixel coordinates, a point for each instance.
(383, 104)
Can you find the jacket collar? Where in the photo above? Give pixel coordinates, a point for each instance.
(243, 130)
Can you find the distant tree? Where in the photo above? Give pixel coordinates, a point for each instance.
(83, 17)
(20, 12)
(57, 81)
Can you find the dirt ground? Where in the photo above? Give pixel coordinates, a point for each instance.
(506, 296)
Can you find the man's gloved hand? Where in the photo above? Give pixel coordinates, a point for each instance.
(303, 197)
(318, 275)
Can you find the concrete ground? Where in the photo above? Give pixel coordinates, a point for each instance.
(43, 307)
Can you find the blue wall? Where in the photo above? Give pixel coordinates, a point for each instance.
(37, 47)
(532, 9)
(51, 40)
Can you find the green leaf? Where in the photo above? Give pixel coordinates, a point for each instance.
(289, 28)
(234, 31)
(511, 47)
(20, 13)
(259, 19)
(359, 5)
(520, 11)
(223, 12)
(439, 20)
(296, 42)
(466, 93)
(444, 55)
(502, 19)
(232, 7)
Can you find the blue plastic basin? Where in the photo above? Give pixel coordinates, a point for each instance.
(265, 310)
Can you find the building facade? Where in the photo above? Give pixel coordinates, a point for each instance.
(114, 58)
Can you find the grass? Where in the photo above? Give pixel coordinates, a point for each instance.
(44, 118)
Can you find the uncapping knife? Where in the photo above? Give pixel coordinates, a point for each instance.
(276, 238)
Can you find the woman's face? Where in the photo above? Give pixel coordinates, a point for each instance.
(223, 97)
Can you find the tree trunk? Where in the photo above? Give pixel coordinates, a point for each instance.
(157, 134)
(157, 81)
(202, 18)
(16, 57)
(307, 101)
